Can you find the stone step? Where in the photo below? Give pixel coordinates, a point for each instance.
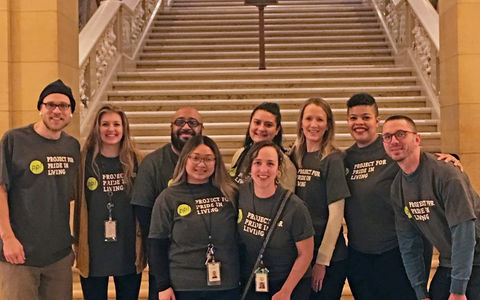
(293, 73)
(162, 28)
(188, 4)
(270, 62)
(268, 33)
(268, 40)
(304, 93)
(155, 46)
(249, 104)
(262, 83)
(268, 21)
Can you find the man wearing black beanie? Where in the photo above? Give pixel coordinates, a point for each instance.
(38, 168)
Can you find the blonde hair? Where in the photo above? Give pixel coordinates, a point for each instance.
(327, 144)
(128, 154)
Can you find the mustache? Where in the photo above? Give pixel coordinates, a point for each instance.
(185, 131)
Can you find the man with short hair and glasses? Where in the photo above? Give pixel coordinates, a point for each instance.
(156, 170)
(38, 169)
(436, 201)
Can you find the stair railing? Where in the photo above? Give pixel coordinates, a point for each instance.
(109, 43)
(412, 27)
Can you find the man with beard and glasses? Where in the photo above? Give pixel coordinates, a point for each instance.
(156, 170)
(38, 168)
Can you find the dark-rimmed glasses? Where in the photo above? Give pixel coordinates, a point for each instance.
(192, 123)
(399, 135)
(52, 106)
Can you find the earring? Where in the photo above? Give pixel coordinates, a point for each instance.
(71, 115)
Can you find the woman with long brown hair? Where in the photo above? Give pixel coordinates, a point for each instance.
(106, 237)
(193, 249)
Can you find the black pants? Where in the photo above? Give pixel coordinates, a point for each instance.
(333, 282)
(233, 294)
(440, 286)
(378, 276)
(126, 287)
(301, 291)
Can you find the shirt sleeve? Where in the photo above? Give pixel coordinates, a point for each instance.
(457, 196)
(302, 227)
(5, 160)
(411, 246)
(337, 186)
(162, 218)
(145, 188)
(463, 248)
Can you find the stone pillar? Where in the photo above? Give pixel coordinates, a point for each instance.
(460, 82)
(38, 44)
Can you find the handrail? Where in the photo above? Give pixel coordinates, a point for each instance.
(110, 40)
(412, 27)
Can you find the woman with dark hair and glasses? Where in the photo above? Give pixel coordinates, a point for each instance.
(284, 270)
(108, 242)
(321, 183)
(193, 249)
(265, 125)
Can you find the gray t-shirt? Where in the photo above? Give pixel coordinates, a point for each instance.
(39, 174)
(436, 197)
(186, 214)
(153, 176)
(321, 182)
(368, 213)
(255, 215)
(109, 258)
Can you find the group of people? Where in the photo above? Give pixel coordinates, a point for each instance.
(268, 228)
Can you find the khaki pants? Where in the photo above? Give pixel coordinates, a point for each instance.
(52, 282)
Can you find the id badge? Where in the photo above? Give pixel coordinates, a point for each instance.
(110, 231)
(261, 280)
(213, 273)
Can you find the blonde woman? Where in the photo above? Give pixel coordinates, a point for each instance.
(193, 249)
(321, 183)
(107, 243)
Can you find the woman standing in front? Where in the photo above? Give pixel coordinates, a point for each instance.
(193, 249)
(284, 270)
(107, 243)
(321, 183)
(265, 125)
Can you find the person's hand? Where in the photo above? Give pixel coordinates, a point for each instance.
(318, 273)
(425, 298)
(73, 255)
(13, 251)
(281, 295)
(457, 297)
(167, 294)
(449, 158)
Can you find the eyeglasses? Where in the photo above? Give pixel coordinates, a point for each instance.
(192, 123)
(399, 135)
(197, 159)
(52, 106)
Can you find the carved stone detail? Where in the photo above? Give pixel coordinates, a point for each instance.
(422, 48)
(105, 52)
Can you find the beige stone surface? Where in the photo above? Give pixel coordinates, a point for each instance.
(469, 127)
(449, 80)
(22, 118)
(67, 41)
(4, 35)
(28, 81)
(4, 125)
(31, 42)
(469, 161)
(69, 9)
(448, 33)
(37, 6)
(468, 17)
(468, 88)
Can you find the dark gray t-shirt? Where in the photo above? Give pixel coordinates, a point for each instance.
(186, 214)
(321, 182)
(109, 258)
(436, 197)
(153, 176)
(39, 174)
(368, 213)
(254, 217)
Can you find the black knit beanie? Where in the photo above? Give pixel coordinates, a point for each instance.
(57, 87)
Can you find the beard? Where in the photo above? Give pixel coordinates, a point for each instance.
(177, 142)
